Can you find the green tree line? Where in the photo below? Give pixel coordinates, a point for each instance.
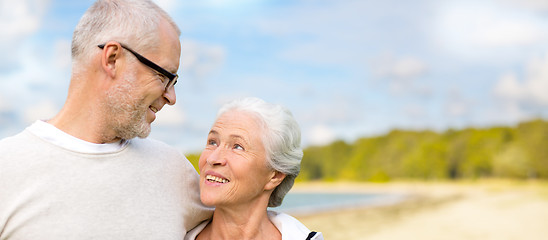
(501, 152)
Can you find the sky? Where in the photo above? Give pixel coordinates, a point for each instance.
(346, 69)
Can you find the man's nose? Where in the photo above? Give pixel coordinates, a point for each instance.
(170, 95)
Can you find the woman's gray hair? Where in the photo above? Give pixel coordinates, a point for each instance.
(132, 22)
(281, 139)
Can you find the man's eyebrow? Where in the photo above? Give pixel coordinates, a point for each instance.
(171, 69)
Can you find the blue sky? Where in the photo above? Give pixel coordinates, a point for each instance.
(346, 69)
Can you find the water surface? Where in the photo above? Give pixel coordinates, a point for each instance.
(301, 203)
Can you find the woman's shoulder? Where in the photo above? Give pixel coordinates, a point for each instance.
(192, 234)
(290, 227)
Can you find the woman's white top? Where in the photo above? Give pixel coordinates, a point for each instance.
(289, 227)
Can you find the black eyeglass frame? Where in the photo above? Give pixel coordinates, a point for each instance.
(170, 76)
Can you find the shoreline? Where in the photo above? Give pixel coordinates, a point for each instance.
(437, 210)
(366, 200)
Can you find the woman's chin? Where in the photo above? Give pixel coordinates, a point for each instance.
(208, 200)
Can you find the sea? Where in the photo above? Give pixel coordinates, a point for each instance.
(311, 202)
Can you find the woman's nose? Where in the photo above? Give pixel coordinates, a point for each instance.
(217, 157)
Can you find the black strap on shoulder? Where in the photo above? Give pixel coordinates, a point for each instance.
(310, 235)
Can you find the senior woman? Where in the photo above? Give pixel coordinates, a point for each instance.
(250, 162)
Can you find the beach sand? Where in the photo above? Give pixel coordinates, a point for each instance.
(480, 210)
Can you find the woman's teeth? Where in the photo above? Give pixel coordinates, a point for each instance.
(216, 179)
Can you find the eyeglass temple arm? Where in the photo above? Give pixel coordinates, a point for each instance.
(147, 62)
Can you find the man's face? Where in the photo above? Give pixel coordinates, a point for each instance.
(128, 110)
(141, 93)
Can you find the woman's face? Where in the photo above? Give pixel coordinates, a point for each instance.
(233, 164)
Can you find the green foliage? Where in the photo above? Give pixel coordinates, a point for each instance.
(511, 163)
(498, 152)
(533, 139)
(193, 158)
(519, 152)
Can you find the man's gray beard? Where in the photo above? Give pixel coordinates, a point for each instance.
(127, 112)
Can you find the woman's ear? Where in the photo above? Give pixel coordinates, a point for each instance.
(275, 180)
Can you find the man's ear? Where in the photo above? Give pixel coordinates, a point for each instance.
(109, 57)
(275, 180)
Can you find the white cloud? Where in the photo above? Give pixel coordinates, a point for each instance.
(536, 83)
(324, 33)
(475, 29)
(62, 56)
(415, 111)
(40, 111)
(400, 71)
(409, 67)
(457, 108)
(339, 110)
(532, 90)
(168, 5)
(4, 106)
(537, 5)
(38, 86)
(320, 135)
(199, 60)
(401, 67)
(224, 3)
(170, 116)
(325, 20)
(509, 87)
(18, 20)
(507, 32)
(506, 112)
(456, 105)
(30, 77)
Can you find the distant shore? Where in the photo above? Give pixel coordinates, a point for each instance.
(464, 210)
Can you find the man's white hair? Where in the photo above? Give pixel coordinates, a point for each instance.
(131, 22)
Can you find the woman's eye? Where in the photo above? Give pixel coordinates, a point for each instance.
(212, 143)
(238, 146)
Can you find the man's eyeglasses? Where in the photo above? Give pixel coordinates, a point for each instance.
(171, 78)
